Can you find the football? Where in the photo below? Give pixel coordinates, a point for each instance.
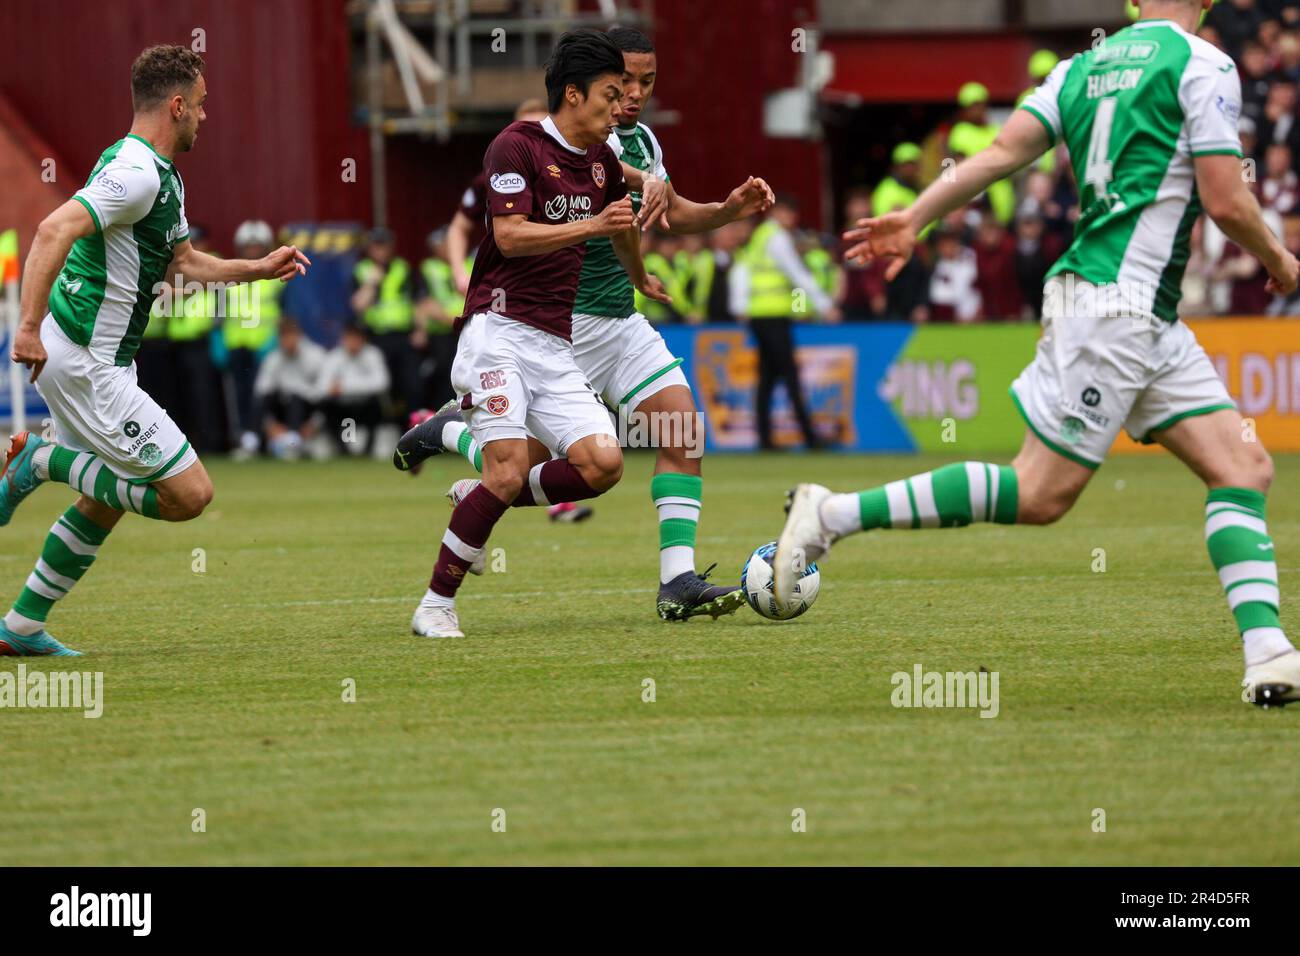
(756, 580)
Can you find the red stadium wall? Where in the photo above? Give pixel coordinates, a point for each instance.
(280, 118)
(715, 70)
(279, 123)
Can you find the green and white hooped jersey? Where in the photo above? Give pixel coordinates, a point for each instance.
(1134, 113)
(102, 298)
(603, 287)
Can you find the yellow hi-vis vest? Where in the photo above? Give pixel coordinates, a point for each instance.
(657, 264)
(822, 265)
(442, 288)
(393, 310)
(187, 317)
(252, 313)
(771, 294)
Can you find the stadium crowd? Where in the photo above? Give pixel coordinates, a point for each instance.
(288, 395)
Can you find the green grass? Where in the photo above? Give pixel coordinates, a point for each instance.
(223, 689)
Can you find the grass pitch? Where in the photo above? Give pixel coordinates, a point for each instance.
(224, 689)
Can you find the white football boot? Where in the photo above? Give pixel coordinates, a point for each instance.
(803, 540)
(456, 494)
(1275, 682)
(435, 620)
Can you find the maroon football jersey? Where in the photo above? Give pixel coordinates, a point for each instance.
(531, 171)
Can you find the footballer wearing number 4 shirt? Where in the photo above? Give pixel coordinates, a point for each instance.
(552, 186)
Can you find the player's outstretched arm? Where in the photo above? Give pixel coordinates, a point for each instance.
(1232, 206)
(50, 247)
(515, 236)
(1021, 141)
(194, 266)
(686, 216)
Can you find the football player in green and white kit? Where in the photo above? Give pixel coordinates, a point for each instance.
(626, 360)
(1150, 119)
(97, 263)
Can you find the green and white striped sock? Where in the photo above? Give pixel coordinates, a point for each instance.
(456, 438)
(69, 551)
(949, 497)
(1242, 553)
(89, 475)
(677, 498)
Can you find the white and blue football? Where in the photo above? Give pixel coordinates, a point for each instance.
(756, 580)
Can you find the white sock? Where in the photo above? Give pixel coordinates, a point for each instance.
(451, 433)
(431, 599)
(841, 514)
(675, 560)
(22, 626)
(1263, 644)
(41, 466)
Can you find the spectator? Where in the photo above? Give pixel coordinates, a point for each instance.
(1288, 57)
(1235, 21)
(1256, 78)
(775, 275)
(249, 315)
(351, 384)
(441, 304)
(995, 260)
(660, 250)
(1285, 11)
(714, 279)
(1040, 200)
(1280, 188)
(287, 389)
(900, 188)
(1036, 252)
(954, 296)
(189, 330)
(974, 132)
(383, 298)
(1279, 123)
(694, 275)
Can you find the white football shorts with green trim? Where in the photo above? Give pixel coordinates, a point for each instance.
(625, 360)
(101, 409)
(1095, 373)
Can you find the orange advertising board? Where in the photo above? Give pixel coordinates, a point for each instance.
(1259, 360)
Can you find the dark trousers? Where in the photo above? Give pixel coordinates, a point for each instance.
(365, 411)
(291, 411)
(243, 364)
(437, 368)
(776, 364)
(155, 371)
(403, 361)
(198, 395)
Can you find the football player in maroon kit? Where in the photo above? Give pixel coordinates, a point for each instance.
(552, 186)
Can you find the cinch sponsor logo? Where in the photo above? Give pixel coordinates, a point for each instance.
(134, 910)
(923, 688)
(57, 690)
(507, 183)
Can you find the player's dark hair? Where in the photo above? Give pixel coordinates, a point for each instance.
(160, 72)
(579, 57)
(630, 40)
